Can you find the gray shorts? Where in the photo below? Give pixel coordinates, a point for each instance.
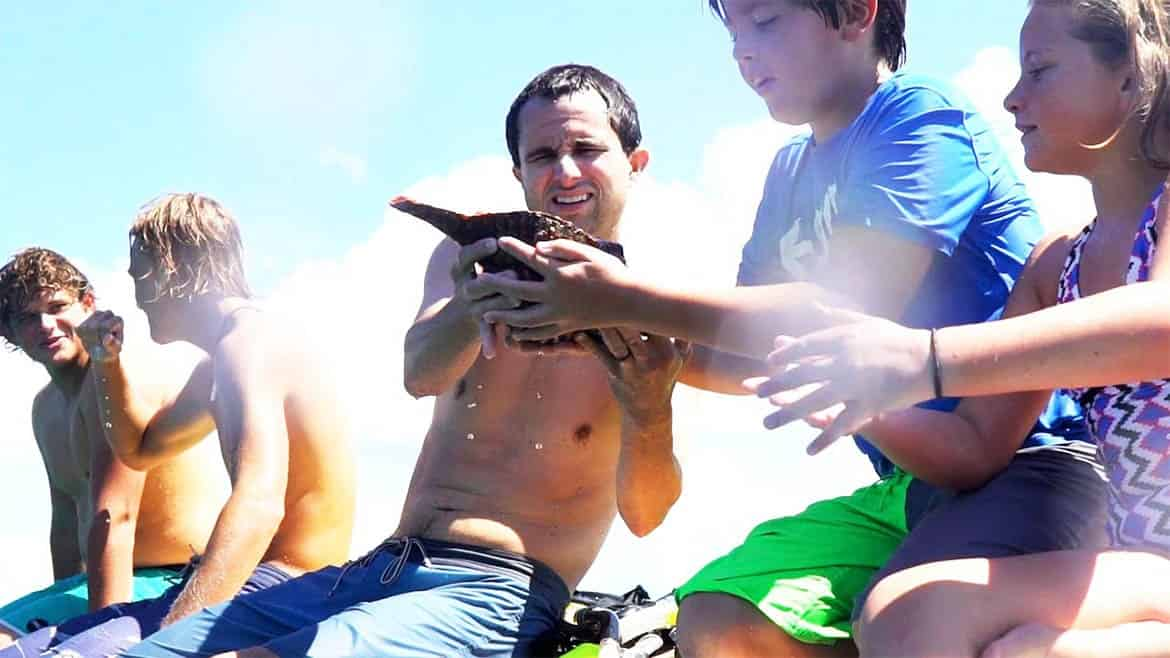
(1049, 498)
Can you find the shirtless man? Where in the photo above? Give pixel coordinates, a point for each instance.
(528, 458)
(116, 534)
(283, 441)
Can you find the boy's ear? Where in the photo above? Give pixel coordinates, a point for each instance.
(88, 301)
(639, 158)
(858, 19)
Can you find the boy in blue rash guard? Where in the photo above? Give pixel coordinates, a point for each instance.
(900, 203)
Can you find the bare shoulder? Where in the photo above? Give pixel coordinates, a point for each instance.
(48, 405)
(1046, 263)
(253, 340)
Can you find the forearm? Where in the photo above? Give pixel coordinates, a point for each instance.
(943, 449)
(649, 479)
(124, 416)
(720, 372)
(111, 559)
(238, 543)
(743, 320)
(439, 350)
(65, 552)
(64, 546)
(1122, 335)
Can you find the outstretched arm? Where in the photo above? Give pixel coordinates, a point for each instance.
(586, 288)
(866, 367)
(254, 436)
(144, 424)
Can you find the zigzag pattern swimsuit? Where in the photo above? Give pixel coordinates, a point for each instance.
(1131, 422)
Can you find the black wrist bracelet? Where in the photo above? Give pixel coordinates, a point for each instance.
(935, 368)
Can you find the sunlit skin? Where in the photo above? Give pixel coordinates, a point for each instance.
(282, 436)
(526, 452)
(159, 518)
(572, 163)
(783, 51)
(1075, 116)
(1067, 104)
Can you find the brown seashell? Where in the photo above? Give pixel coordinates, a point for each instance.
(525, 225)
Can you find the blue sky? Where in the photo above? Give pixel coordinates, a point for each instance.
(109, 104)
(304, 118)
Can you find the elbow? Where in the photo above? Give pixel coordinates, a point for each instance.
(265, 512)
(112, 525)
(975, 473)
(416, 377)
(139, 461)
(416, 383)
(643, 520)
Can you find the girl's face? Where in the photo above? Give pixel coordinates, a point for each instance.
(1066, 100)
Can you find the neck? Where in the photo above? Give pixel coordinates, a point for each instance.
(847, 99)
(70, 377)
(1124, 184)
(203, 323)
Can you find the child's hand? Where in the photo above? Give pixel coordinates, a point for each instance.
(846, 376)
(580, 290)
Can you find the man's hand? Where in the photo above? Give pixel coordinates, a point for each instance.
(869, 365)
(102, 335)
(577, 291)
(477, 299)
(643, 370)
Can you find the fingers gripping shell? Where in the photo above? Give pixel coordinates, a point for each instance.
(525, 225)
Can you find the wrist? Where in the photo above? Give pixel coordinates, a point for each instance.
(655, 421)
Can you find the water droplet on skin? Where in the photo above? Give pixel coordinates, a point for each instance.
(470, 436)
(539, 446)
(109, 425)
(539, 395)
(539, 354)
(472, 405)
(479, 387)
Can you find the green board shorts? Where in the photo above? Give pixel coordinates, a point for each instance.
(69, 597)
(808, 572)
(828, 553)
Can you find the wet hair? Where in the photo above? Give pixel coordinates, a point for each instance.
(569, 79)
(1132, 33)
(195, 245)
(29, 273)
(889, 24)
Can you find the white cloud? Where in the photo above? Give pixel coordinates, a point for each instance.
(307, 69)
(353, 165)
(736, 474)
(1062, 201)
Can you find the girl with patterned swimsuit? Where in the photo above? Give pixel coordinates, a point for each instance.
(1091, 309)
(1131, 422)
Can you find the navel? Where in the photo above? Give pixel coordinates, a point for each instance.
(582, 433)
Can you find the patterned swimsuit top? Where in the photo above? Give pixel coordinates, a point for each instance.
(1131, 422)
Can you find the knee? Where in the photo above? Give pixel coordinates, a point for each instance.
(716, 625)
(920, 623)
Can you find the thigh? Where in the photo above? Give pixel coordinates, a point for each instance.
(1063, 589)
(1047, 499)
(473, 614)
(803, 572)
(64, 599)
(109, 638)
(247, 620)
